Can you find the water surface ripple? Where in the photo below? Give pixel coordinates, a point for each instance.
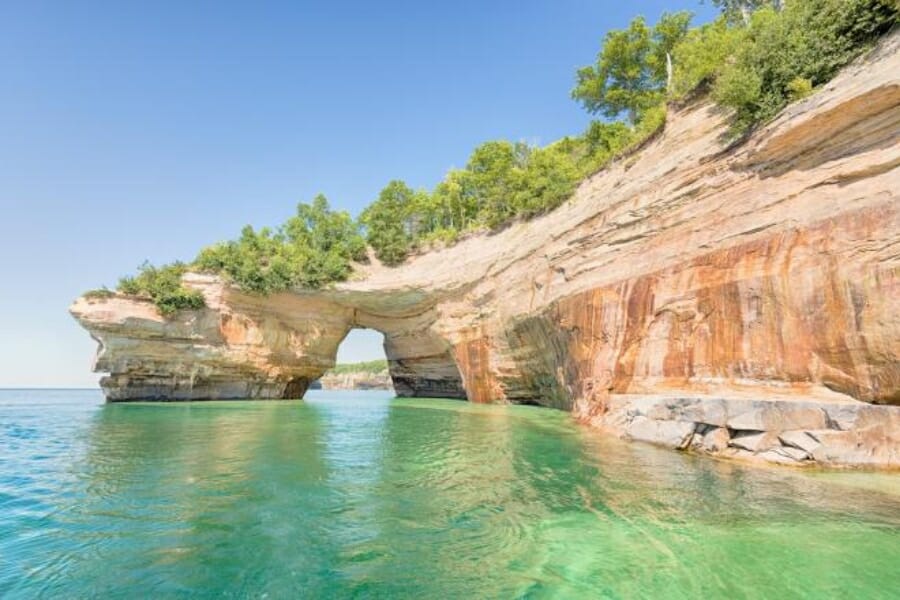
(357, 495)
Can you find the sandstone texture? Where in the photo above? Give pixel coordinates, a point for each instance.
(739, 300)
(840, 432)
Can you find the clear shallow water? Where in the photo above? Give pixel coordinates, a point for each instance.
(353, 494)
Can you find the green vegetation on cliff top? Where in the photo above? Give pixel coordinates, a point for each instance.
(314, 247)
(756, 58)
(370, 366)
(163, 286)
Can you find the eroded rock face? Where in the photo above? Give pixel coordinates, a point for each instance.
(800, 431)
(357, 381)
(248, 346)
(692, 295)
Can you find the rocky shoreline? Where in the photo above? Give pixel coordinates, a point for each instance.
(797, 432)
(356, 380)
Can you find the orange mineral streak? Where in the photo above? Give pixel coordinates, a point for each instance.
(780, 312)
(473, 359)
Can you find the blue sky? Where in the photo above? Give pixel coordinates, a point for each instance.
(135, 131)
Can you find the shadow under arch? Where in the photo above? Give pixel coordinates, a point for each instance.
(420, 362)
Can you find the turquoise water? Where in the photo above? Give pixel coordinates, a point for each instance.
(357, 495)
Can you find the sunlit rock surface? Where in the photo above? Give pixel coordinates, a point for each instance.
(740, 301)
(248, 346)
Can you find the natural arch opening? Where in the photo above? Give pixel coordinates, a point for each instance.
(360, 363)
(412, 362)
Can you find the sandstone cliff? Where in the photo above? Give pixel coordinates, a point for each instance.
(357, 380)
(735, 300)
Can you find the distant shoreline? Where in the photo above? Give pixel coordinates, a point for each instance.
(43, 388)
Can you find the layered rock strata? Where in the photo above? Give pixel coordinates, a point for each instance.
(248, 346)
(803, 431)
(694, 294)
(357, 380)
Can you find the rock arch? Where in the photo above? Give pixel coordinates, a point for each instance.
(248, 346)
(420, 362)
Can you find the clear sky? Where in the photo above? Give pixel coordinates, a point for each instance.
(145, 130)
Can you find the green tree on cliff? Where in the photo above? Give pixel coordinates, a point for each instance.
(632, 70)
(495, 175)
(387, 222)
(783, 55)
(332, 239)
(312, 248)
(456, 200)
(739, 11)
(702, 55)
(163, 286)
(548, 178)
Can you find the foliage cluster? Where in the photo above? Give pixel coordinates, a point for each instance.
(501, 181)
(782, 55)
(311, 249)
(163, 286)
(759, 56)
(101, 293)
(633, 69)
(371, 366)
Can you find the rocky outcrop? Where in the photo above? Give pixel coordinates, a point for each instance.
(839, 432)
(357, 380)
(248, 346)
(740, 301)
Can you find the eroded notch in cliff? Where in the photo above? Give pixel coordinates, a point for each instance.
(295, 388)
(419, 362)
